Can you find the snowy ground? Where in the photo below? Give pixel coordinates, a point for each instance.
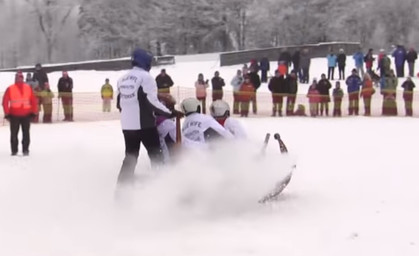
(354, 193)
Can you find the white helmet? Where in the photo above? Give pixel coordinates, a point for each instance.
(190, 105)
(220, 108)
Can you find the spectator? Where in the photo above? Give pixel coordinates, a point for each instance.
(313, 98)
(278, 88)
(285, 57)
(65, 93)
(245, 69)
(305, 66)
(380, 57)
(369, 60)
(399, 55)
(40, 76)
(411, 57)
(254, 65)
(247, 91)
(201, 91)
(19, 106)
(385, 67)
(296, 60)
(353, 82)
(292, 85)
(331, 63)
(47, 95)
(337, 99)
(29, 80)
(106, 93)
(366, 93)
(323, 87)
(217, 86)
(255, 81)
(236, 82)
(341, 59)
(264, 67)
(359, 62)
(164, 82)
(408, 87)
(389, 95)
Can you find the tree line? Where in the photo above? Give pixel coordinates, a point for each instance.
(74, 30)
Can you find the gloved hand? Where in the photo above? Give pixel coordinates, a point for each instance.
(177, 114)
(7, 117)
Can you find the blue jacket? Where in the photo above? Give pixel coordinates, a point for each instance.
(359, 59)
(399, 56)
(354, 83)
(331, 60)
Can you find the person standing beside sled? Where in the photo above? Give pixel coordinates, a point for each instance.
(106, 93)
(137, 101)
(65, 93)
(20, 106)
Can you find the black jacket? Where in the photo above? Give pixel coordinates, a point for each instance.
(341, 59)
(254, 79)
(323, 86)
(65, 84)
(164, 81)
(292, 84)
(411, 56)
(278, 85)
(408, 86)
(296, 58)
(41, 77)
(217, 83)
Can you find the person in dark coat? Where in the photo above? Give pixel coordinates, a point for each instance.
(255, 81)
(264, 67)
(305, 66)
(40, 76)
(399, 55)
(279, 89)
(411, 57)
(217, 86)
(292, 84)
(323, 86)
(341, 64)
(164, 82)
(296, 60)
(285, 56)
(369, 61)
(65, 93)
(408, 87)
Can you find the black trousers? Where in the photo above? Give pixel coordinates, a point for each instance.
(15, 123)
(133, 139)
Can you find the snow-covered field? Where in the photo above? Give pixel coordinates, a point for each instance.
(354, 191)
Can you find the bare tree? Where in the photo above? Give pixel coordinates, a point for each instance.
(51, 16)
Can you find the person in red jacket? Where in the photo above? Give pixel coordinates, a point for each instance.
(247, 93)
(20, 106)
